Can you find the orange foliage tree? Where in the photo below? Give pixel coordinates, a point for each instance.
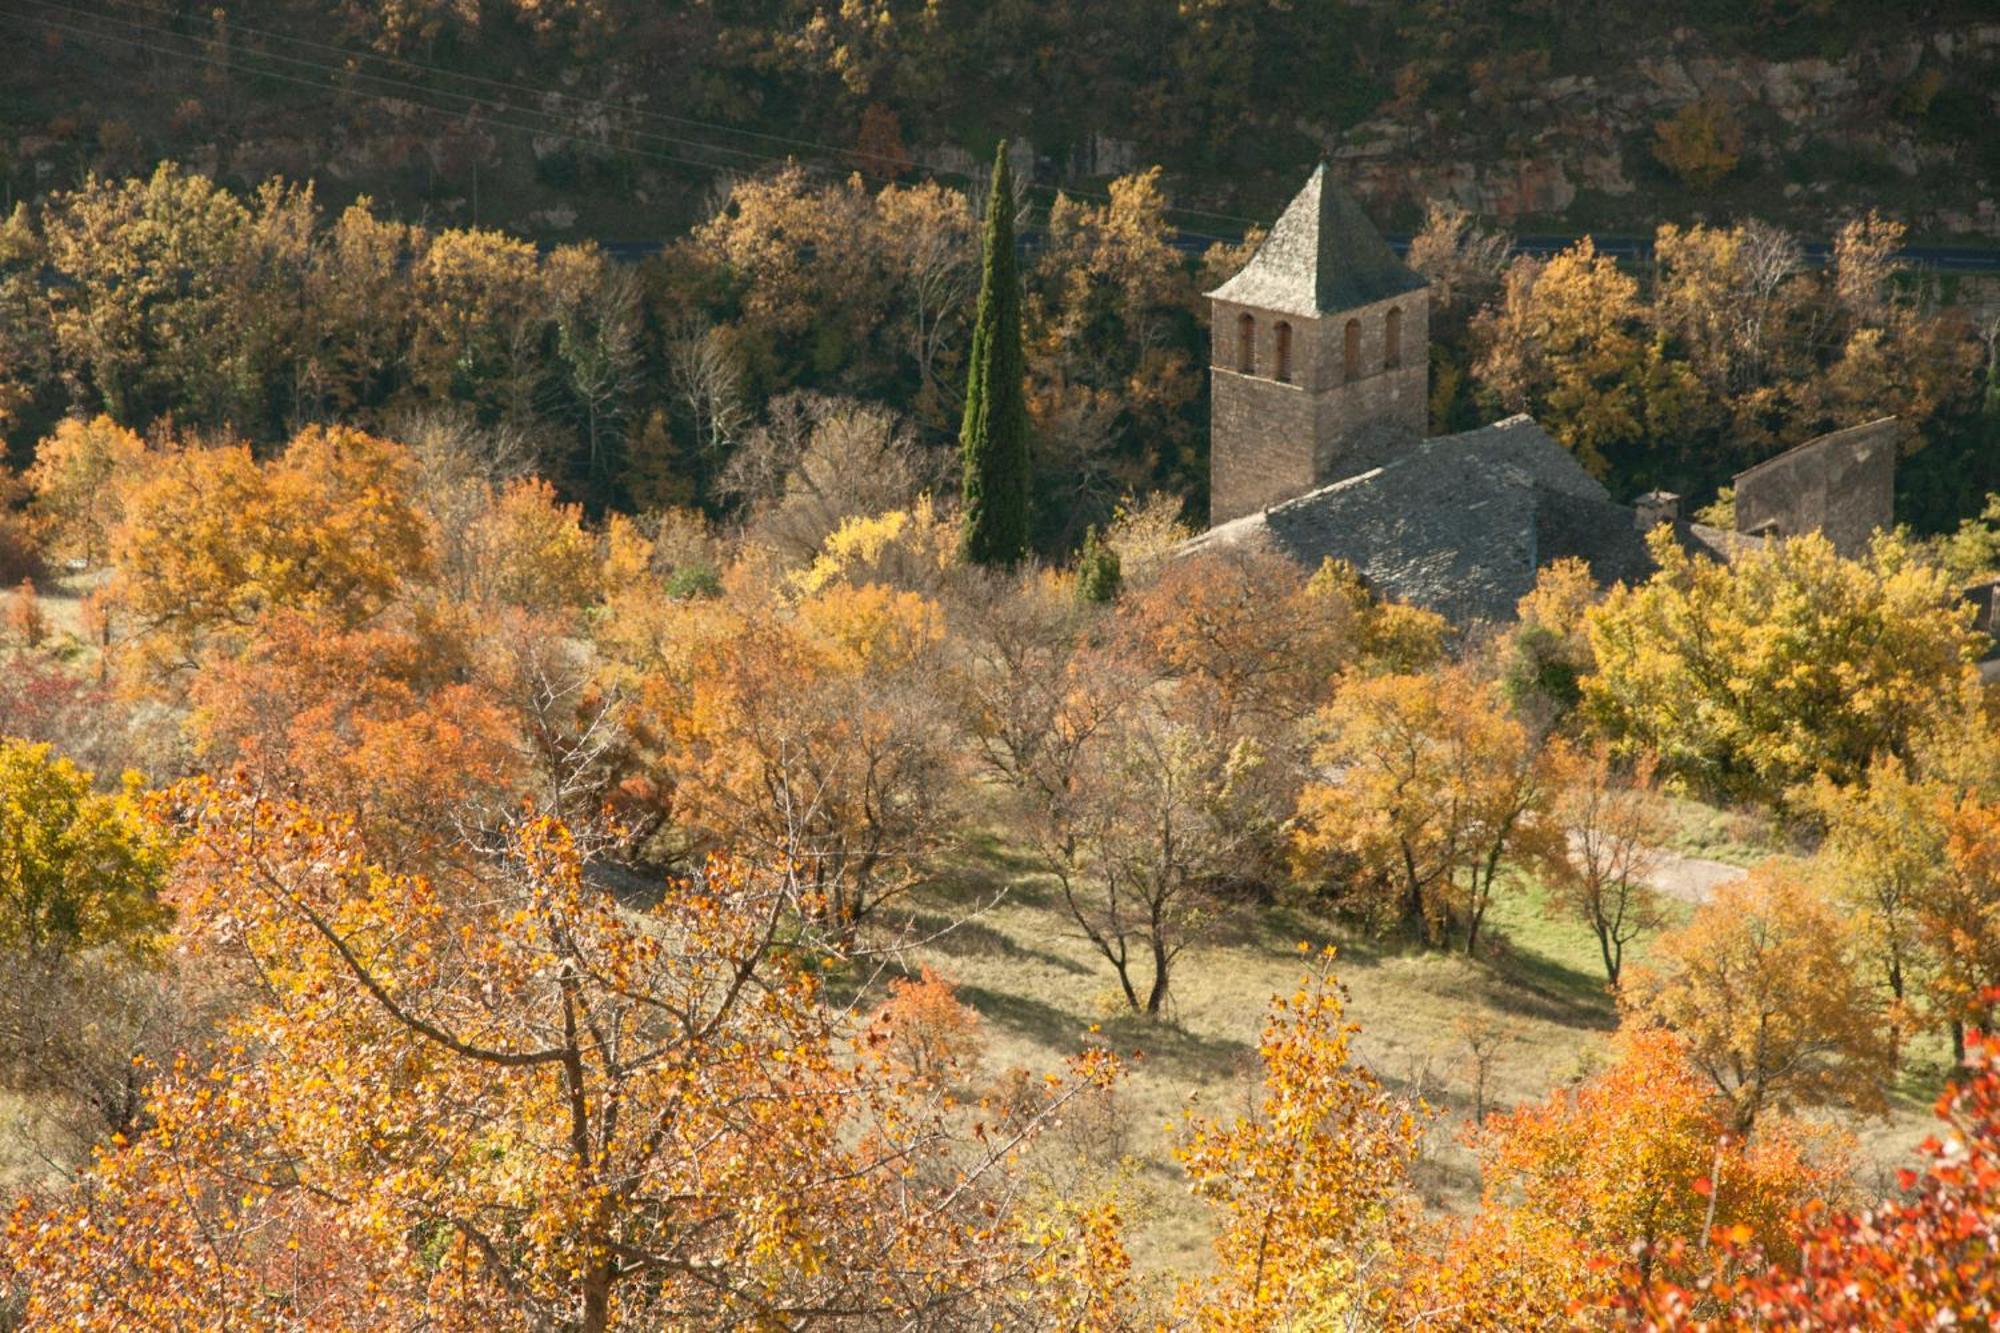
(1924, 1259)
(522, 1104)
(812, 735)
(1764, 987)
(212, 538)
(1647, 1153)
(1430, 786)
(384, 723)
(1960, 922)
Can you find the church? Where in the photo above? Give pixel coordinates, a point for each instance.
(1320, 393)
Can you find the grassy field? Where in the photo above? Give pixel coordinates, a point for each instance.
(1539, 983)
(1736, 837)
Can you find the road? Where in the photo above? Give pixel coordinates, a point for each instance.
(1958, 259)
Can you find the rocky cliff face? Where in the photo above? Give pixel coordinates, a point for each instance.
(1871, 125)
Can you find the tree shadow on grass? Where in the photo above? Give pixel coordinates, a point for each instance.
(1159, 1042)
(985, 865)
(1044, 1023)
(1524, 981)
(964, 937)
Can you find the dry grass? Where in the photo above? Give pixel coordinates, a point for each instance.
(1738, 837)
(1041, 990)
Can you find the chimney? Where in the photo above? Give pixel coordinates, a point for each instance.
(1654, 508)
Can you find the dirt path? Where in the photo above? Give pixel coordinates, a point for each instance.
(1690, 878)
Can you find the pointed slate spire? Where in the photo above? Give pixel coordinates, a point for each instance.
(1323, 255)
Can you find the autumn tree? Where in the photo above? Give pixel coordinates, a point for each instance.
(526, 548)
(178, 295)
(927, 232)
(1787, 664)
(1244, 636)
(1566, 343)
(927, 1028)
(25, 350)
(816, 461)
(354, 353)
(1547, 653)
(481, 318)
(1462, 260)
(1920, 1259)
(1762, 987)
(1648, 1153)
(1700, 143)
(212, 538)
(524, 1104)
(811, 735)
(1882, 859)
(596, 320)
(78, 869)
(79, 478)
(389, 724)
(1614, 825)
(1430, 787)
(1023, 680)
(1959, 923)
(1110, 322)
(1152, 813)
(1312, 1188)
(81, 920)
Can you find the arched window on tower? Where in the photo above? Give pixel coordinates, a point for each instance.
(1246, 343)
(1350, 353)
(1392, 340)
(1284, 352)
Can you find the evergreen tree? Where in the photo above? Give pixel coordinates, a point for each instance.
(994, 438)
(1098, 575)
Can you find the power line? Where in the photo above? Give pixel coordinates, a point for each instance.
(609, 108)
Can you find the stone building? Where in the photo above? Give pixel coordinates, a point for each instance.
(1321, 356)
(1842, 484)
(1320, 380)
(1459, 524)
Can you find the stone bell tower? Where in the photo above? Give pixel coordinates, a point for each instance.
(1320, 356)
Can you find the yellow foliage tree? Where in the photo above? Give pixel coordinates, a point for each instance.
(1431, 787)
(1787, 664)
(812, 736)
(79, 479)
(1700, 143)
(1567, 343)
(1763, 988)
(528, 549)
(1312, 1189)
(524, 1105)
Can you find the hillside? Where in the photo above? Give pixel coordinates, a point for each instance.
(614, 118)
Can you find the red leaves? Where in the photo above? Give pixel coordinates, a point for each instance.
(1928, 1261)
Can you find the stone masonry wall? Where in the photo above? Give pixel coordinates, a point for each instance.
(1270, 442)
(1260, 444)
(1843, 485)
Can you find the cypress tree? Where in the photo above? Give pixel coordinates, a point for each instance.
(994, 437)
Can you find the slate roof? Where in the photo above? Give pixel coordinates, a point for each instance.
(1323, 255)
(1459, 524)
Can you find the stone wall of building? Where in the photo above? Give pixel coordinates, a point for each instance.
(1843, 485)
(1271, 441)
(1260, 443)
